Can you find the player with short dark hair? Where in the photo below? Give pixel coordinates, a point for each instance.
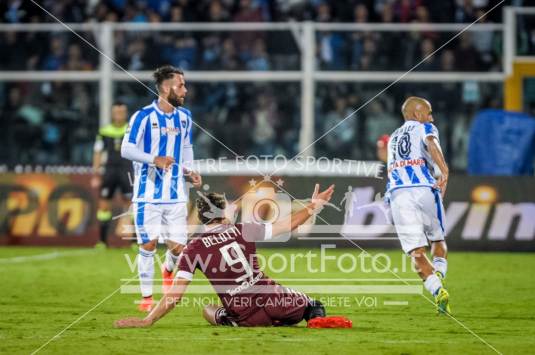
(226, 254)
(109, 168)
(160, 145)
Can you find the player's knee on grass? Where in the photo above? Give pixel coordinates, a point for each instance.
(314, 309)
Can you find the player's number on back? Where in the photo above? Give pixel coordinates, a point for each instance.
(240, 258)
(404, 146)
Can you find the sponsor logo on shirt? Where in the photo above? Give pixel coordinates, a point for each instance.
(409, 162)
(170, 131)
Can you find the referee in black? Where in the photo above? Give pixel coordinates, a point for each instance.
(111, 171)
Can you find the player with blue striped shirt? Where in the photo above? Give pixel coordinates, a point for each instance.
(158, 142)
(414, 156)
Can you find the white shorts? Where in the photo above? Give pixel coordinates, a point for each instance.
(418, 215)
(164, 221)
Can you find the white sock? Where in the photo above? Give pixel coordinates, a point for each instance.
(145, 266)
(170, 260)
(441, 265)
(433, 284)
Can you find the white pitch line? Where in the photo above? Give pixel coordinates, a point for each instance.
(45, 256)
(396, 303)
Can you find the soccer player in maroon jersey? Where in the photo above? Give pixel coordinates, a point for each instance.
(226, 254)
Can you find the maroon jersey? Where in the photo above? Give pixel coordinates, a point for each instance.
(227, 256)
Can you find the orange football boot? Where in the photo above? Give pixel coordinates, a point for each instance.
(167, 279)
(146, 304)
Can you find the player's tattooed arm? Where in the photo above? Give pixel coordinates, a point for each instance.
(166, 305)
(319, 199)
(438, 158)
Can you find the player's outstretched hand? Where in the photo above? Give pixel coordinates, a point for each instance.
(319, 199)
(193, 177)
(133, 322)
(164, 162)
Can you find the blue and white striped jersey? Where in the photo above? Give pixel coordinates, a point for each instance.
(409, 162)
(157, 133)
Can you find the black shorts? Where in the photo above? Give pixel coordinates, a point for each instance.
(116, 179)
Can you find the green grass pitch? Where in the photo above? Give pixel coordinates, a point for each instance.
(42, 292)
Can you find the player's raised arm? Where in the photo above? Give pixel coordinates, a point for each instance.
(166, 305)
(436, 153)
(133, 145)
(319, 199)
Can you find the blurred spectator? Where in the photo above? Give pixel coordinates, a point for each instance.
(183, 54)
(136, 57)
(56, 57)
(426, 51)
(259, 57)
(229, 57)
(177, 14)
(466, 51)
(465, 11)
(74, 59)
(379, 121)
(387, 14)
(14, 51)
(249, 118)
(447, 60)
(370, 59)
(483, 42)
(265, 123)
(360, 13)
(17, 11)
(217, 13)
(211, 52)
(340, 140)
(336, 50)
(422, 15)
(404, 9)
(248, 12)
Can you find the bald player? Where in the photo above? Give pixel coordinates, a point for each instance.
(417, 180)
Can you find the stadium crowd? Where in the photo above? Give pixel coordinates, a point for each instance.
(249, 51)
(46, 116)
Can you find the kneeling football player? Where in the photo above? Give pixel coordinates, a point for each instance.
(226, 254)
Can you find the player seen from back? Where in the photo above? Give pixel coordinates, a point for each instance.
(226, 254)
(414, 155)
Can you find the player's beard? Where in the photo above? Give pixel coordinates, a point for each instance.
(174, 99)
